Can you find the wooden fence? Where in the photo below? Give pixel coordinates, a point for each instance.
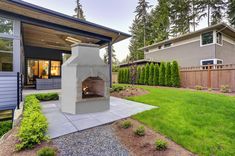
(212, 76)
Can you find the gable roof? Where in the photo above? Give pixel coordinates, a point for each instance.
(222, 27)
(31, 11)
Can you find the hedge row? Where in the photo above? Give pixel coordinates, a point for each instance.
(151, 74)
(34, 124)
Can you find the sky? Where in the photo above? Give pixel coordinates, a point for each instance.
(116, 14)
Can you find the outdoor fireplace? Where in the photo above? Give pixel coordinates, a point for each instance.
(92, 87)
(85, 81)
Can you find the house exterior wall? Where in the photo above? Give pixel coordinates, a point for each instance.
(187, 54)
(226, 52)
(16, 37)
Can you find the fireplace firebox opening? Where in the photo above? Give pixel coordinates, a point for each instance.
(93, 87)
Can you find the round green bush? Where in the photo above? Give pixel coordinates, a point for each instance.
(46, 151)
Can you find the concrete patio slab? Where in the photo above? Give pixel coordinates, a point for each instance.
(63, 123)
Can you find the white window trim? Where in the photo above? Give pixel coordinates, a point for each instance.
(214, 38)
(222, 39)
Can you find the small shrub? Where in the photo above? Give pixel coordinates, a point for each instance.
(117, 88)
(140, 131)
(46, 151)
(47, 96)
(5, 126)
(160, 145)
(126, 124)
(197, 87)
(224, 89)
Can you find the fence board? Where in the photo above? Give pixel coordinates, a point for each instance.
(212, 76)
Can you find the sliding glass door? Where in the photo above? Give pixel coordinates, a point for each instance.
(42, 69)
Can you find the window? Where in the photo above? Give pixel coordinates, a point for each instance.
(167, 45)
(207, 38)
(55, 68)
(219, 38)
(6, 26)
(6, 55)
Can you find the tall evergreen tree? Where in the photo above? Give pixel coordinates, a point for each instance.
(159, 22)
(162, 74)
(175, 75)
(142, 75)
(138, 75)
(180, 14)
(168, 74)
(146, 76)
(156, 75)
(151, 74)
(231, 12)
(78, 10)
(141, 15)
(106, 55)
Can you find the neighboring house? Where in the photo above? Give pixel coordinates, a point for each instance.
(211, 45)
(33, 41)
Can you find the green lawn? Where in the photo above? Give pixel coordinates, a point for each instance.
(201, 122)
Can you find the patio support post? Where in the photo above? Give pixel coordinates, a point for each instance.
(110, 62)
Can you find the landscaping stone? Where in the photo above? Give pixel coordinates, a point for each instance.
(97, 141)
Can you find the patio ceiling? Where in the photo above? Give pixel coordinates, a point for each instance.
(63, 25)
(48, 38)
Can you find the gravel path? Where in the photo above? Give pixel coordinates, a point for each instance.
(98, 141)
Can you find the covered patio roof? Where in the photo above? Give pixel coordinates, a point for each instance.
(57, 26)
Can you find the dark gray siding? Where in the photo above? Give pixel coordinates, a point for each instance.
(8, 90)
(187, 55)
(226, 52)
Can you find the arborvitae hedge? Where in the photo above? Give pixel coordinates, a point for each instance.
(175, 76)
(142, 74)
(138, 75)
(156, 75)
(146, 76)
(119, 76)
(151, 74)
(128, 80)
(162, 74)
(168, 74)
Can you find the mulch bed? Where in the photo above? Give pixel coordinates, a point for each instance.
(140, 146)
(130, 91)
(7, 145)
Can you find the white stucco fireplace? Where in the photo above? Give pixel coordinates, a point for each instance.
(85, 81)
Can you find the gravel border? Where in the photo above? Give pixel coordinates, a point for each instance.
(97, 141)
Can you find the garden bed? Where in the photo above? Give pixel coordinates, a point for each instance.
(145, 145)
(7, 146)
(128, 91)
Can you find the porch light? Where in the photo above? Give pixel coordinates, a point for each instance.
(72, 40)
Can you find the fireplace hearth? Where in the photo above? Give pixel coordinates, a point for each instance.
(85, 81)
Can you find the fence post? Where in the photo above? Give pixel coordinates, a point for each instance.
(209, 77)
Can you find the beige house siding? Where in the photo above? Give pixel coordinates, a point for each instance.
(188, 54)
(226, 52)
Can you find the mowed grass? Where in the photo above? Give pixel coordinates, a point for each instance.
(201, 122)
